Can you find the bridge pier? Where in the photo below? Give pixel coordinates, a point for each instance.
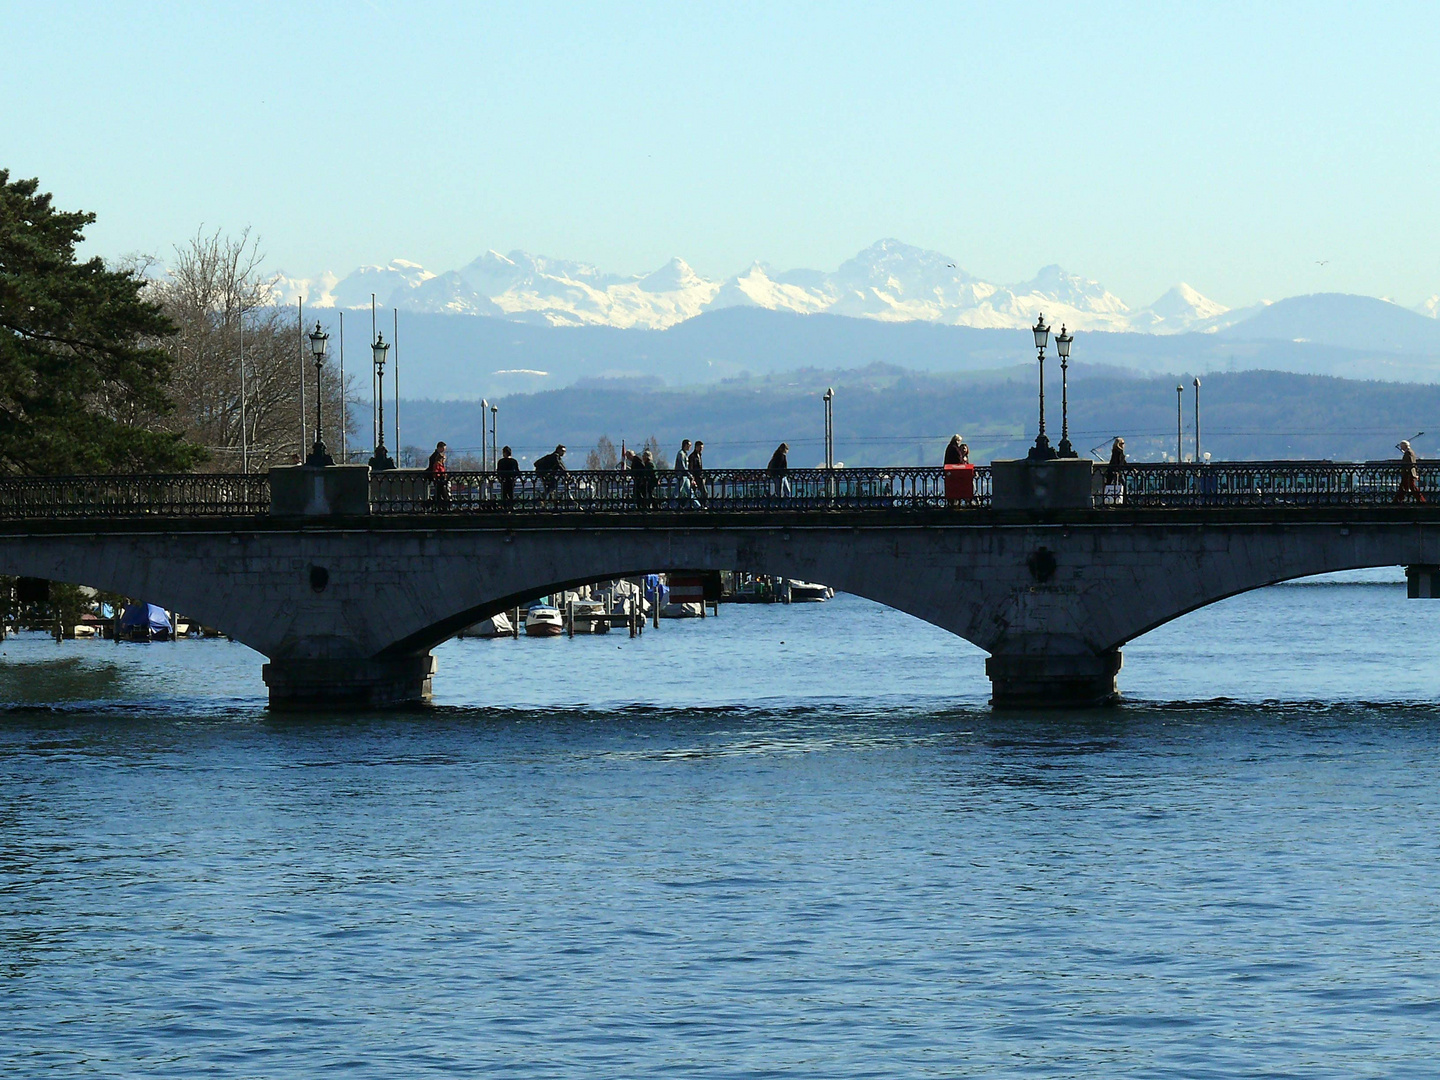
(1053, 680)
(342, 684)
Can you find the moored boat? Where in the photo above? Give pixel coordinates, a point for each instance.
(145, 623)
(544, 620)
(808, 591)
(590, 617)
(496, 627)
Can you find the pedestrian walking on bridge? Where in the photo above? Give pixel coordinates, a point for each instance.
(642, 471)
(1409, 474)
(439, 483)
(697, 472)
(778, 470)
(550, 468)
(685, 493)
(1115, 474)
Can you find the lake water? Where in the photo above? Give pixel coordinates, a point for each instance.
(789, 841)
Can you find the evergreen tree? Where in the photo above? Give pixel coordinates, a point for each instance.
(82, 381)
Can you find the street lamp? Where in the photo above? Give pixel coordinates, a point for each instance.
(1042, 450)
(1062, 346)
(381, 460)
(319, 342)
(1197, 419)
(829, 398)
(494, 444)
(484, 437)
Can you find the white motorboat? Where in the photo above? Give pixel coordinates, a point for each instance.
(497, 627)
(808, 591)
(590, 617)
(544, 620)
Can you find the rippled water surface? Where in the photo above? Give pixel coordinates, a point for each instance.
(790, 841)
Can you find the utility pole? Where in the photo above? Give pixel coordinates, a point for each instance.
(395, 337)
(344, 419)
(374, 392)
(1180, 424)
(300, 302)
(244, 433)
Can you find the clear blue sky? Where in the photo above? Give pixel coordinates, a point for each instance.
(1232, 146)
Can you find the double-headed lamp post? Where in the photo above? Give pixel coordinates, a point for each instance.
(319, 342)
(1062, 346)
(381, 461)
(1042, 450)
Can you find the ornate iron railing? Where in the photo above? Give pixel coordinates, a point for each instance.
(1266, 483)
(407, 491)
(402, 492)
(184, 495)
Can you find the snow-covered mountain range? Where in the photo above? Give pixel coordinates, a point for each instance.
(888, 281)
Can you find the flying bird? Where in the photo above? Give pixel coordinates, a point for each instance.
(1321, 262)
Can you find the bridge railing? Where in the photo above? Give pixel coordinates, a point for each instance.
(180, 495)
(1264, 483)
(408, 492)
(1165, 485)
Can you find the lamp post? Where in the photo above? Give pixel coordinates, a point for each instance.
(1197, 420)
(829, 398)
(319, 456)
(484, 436)
(494, 445)
(1042, 450)
(382, 460)
(1062, 346)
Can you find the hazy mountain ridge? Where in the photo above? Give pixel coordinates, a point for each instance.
(888, 281)
(890, 417)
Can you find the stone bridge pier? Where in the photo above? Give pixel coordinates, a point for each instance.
(347, 610)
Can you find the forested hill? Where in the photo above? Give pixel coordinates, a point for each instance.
(889, 416)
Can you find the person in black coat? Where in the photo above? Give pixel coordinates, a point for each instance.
(778, 471)
(697, 471)
(642, 470)
(549, 467)
(1115, 471)
(507, 468)
(957, 452)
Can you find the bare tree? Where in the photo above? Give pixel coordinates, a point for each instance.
(217, 294)
(603, 456)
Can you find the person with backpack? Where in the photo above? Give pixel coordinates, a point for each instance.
(439, 484)
(550, 468)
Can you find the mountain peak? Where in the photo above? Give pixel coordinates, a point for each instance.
(674, 276)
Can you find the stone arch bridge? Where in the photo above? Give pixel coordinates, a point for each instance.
(346, 582)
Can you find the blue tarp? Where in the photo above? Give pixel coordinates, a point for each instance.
(145, 616)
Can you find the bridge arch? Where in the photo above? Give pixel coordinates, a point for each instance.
(1052, 602)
